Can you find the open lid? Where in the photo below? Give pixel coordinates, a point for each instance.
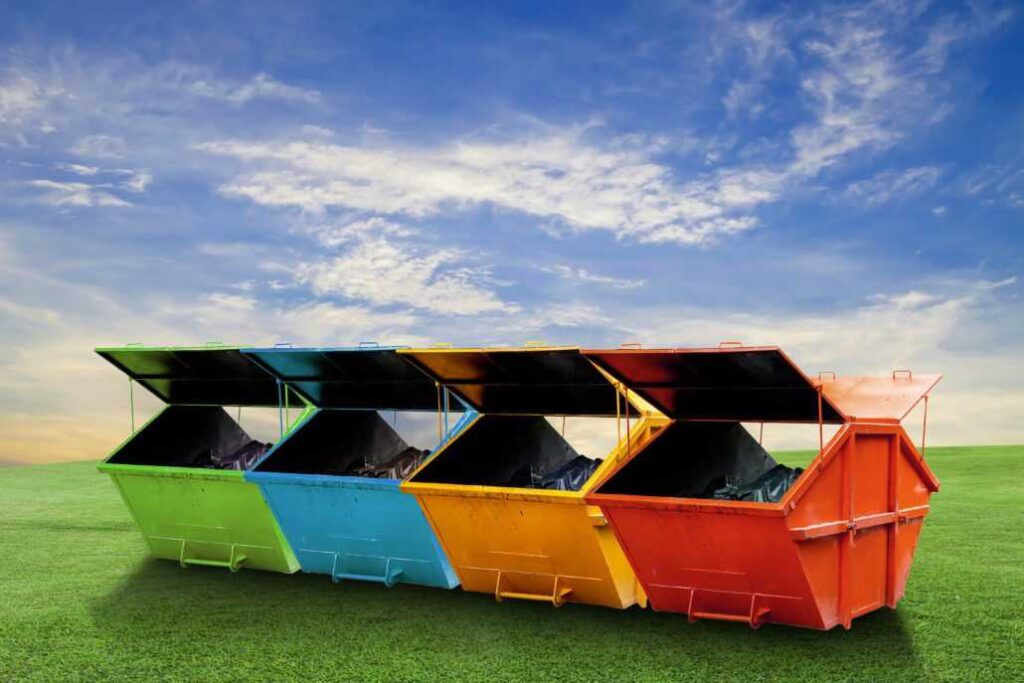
(526, 381)
(213, 375)
(366, 378)
(753, 384)
(878, 398)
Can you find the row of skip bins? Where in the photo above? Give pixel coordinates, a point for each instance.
(342, 493)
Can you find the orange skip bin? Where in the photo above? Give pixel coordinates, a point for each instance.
(837, 544)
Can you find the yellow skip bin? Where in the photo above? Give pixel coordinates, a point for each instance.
(505, 497)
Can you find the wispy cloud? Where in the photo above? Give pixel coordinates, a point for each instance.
(260, 87)
(619, 188)
(21, 96)
(382, 272)
(74, 194)
(567, 272)
(100, 147)
(892, 185)
(77, 169)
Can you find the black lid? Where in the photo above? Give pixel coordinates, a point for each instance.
(197, 375)
(374, 378)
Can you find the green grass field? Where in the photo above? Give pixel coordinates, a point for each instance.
(80, 600)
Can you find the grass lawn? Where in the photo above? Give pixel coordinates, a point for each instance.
(79, 599)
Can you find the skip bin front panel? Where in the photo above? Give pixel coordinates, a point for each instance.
(731, 566)
(197, 518)
(533, 549)
(350, 529)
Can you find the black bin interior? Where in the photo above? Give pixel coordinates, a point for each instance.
(500, 450)
(180, 435)
(689, 459)
(343, 443)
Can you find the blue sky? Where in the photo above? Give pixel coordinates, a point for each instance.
(845, 180)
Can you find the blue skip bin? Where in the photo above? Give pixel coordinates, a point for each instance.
(332, 483)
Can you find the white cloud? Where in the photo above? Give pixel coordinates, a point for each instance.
(892, 185)
(139, 181)
(100, 146)
(337, 234)
(21, 96)
(617, 188)
(567, 272)
(742, 96)
(74, 194)
(78, 169)
(260, 86)
(384, 273)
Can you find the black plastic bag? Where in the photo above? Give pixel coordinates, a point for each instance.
(770, 487)
(398, 467)
(571, 476)
(240, 459)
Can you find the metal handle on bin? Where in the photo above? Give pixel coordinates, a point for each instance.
(535, 344)
(368, 344)
(909, 374)
(556, 597)
(389, 579)
(755, 618)
(233, 564)
(726, 344)
(631, 345)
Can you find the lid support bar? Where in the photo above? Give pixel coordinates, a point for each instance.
(440, 430)
(821, 423)
(131, 400)
(924, 425)
(280, 415)
(618, 415)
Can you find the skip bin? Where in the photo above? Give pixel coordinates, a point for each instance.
(837, 544)
(191, 514)
(501, 536)
(339, 524)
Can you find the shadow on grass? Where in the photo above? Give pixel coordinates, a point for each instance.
(416, 633)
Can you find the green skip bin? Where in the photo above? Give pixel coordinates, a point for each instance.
(175, 474)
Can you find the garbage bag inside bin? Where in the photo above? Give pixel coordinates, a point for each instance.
(770, 487)
(514, 451)
(692, 460)
(192, 436)
(355, 443)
